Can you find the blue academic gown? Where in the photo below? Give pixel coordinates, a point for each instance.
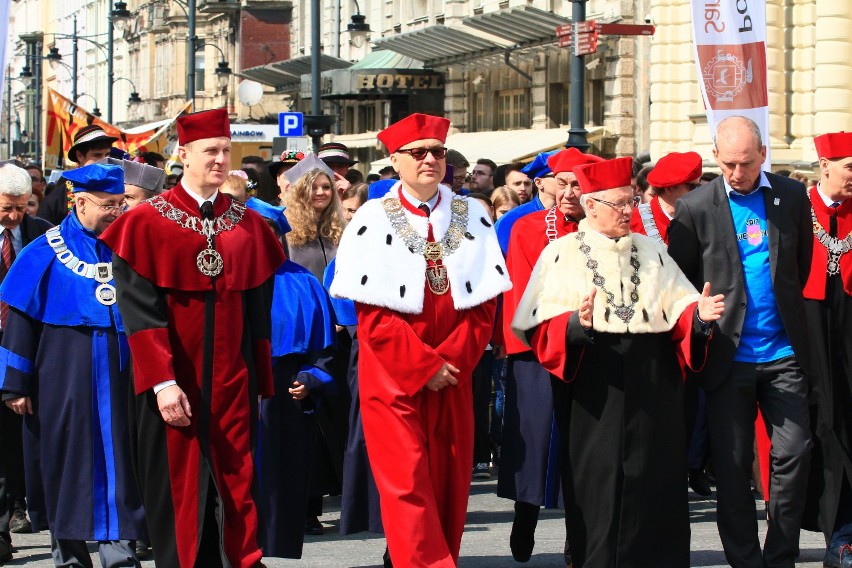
(359, 501)
(506, 222)
(303, 344)
(68, 352)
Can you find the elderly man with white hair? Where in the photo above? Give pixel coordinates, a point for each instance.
(18, 230)
(610, 313)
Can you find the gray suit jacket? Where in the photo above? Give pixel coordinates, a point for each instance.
(703, 243)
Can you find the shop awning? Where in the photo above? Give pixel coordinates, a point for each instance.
(287, 75)
(506, 146)
(482, 35)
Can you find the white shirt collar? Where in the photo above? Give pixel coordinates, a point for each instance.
(198, 199)
(825, 199)
(762, 181)
(417, 203)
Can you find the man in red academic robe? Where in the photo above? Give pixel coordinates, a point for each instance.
(612, 314)
(424, 269)
(828, 303)
(193, 272)
(674, 175)
(528, 460)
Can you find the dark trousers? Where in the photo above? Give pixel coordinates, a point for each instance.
(481, 382)
(75, 554)
(12, 486)
(780, 389)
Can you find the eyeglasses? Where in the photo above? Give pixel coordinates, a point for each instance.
(420, 153)
(108, 208)
(37, 179)
(620, 206)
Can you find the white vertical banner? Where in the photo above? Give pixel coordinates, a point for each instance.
(730, 52)
(4, 41)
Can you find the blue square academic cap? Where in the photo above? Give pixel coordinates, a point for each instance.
(97, 177)
(538, 167)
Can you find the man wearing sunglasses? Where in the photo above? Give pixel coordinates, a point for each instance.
(675, 175)
(66, 371)
(424, 269)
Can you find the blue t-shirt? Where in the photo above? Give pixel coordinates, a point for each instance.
(763, 336)
(505, 223)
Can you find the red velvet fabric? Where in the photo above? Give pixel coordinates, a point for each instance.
(815, 287)
(420, 443)
(526, 242)
(660, 218)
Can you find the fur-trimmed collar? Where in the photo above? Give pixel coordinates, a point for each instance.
(374, 266)
(561, 279)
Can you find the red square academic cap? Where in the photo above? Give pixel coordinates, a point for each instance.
(675, 168)
(834, 145)
(413, 127)
(566, 160)
(604, 175)
(204, 124)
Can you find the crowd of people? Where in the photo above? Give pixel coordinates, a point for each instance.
(192, 362)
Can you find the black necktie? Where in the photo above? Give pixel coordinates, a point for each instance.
(425, 208)
(832, 220)
(206, 209)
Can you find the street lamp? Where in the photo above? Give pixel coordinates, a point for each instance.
(120, 16)
(135, 100)
(95, 111)
(358, 28)
(26, 76)
(54, 58)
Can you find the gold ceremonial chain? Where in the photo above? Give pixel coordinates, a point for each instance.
(431, 251)
(834, 246)
(624, 312)
(208, 261)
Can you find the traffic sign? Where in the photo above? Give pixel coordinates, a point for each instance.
(625, 29)
(586, 44)
(566, 41)
(586, 26)
(565, 30)
(290, 124)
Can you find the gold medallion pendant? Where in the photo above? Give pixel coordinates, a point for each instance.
(437, 278)
(209, 262)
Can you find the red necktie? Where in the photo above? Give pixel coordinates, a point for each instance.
(7, 257)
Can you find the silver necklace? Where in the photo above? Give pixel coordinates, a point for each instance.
(623, 311)
(100, 272)
(550, 225)
(834, 246)
(436, 274)
(647, 216)
(209, 261)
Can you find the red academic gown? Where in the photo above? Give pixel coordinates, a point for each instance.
(527, 240)
(660, 219)
(211, 335)
(420, 442)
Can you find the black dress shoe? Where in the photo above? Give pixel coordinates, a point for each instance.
(522, 538)
(700, 483)
(838, 557)
(386, 559)
(143, 549)
(313, 527)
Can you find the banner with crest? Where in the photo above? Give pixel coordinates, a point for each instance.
(730, 52)
(65, 118)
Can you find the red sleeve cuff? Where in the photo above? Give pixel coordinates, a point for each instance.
(152, 358)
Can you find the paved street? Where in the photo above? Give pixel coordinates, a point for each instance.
(485, 544)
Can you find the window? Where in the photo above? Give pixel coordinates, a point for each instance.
(199, 65)
(366, 117)
(478, 112)
(513, 109)
(558, 106)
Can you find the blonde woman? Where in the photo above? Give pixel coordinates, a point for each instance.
(314, 213)
(503, 199)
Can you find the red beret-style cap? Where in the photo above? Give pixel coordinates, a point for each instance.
(413, 127)
(566, 160)
(674, 169)
(834, 145)
(205, 124)
(601, 176)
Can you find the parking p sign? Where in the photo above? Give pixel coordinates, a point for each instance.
(290, 124)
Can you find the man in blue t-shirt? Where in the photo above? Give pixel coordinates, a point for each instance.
(748, 233)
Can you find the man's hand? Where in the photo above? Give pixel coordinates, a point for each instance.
(22, 405)
(587, 309)
(710, 308)
(298, 391)
(498, 351)
(174, 406)
(444, 377)
(341, 184)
